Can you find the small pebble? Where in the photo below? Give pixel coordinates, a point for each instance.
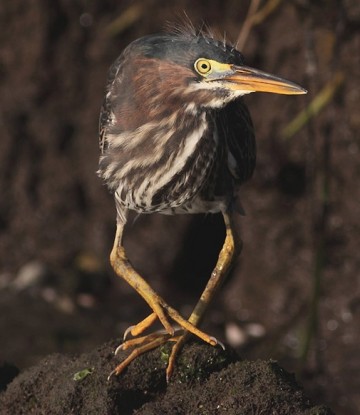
(30, 275)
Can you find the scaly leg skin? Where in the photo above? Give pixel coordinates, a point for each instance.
(230, 250)
(161, 309)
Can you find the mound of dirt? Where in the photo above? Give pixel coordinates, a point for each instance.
(207, 381)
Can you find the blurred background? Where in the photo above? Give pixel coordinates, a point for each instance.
(294, 292)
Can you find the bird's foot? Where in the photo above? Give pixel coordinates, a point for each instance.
(144, 344)
(141, 345)
(149, 342)
(168, 313)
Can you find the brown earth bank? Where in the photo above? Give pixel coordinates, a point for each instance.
(293, 295)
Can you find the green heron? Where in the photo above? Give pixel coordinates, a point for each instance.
(176, 137)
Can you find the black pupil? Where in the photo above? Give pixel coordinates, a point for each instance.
(204, 66)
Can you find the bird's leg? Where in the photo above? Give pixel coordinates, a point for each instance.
(161, 309)
(123, 269)
(230, 250)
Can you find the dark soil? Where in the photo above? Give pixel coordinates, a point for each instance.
(207, 381)
(293, 295)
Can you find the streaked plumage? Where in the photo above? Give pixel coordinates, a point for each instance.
(161, 150)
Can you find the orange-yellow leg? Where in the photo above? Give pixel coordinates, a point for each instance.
(161, 309)
(142, 326)
(229, 251)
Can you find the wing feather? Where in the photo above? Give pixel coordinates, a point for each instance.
(235, 128)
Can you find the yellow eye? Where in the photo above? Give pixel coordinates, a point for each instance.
(202, 66)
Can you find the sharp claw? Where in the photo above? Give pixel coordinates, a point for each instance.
(168, 376)
(127, 331)
(217, 342)
(220, 344)
(111, 375)
(117, 350)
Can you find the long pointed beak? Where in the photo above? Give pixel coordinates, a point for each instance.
(253, 80)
